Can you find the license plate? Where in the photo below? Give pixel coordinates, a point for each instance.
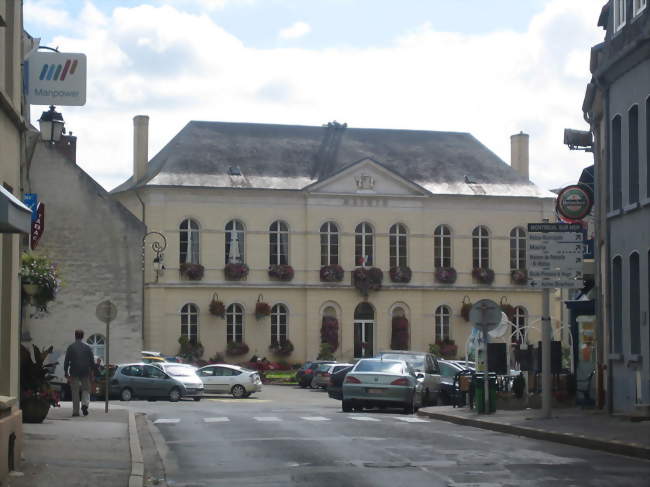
(374, 391)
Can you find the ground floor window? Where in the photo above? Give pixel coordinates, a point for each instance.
(190, 322)
(97, 344)
(279, 318)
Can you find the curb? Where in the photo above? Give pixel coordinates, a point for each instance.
(613, 446)
(136, 479)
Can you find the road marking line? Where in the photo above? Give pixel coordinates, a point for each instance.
(167, 421)
(412, 420)
(266, 418)
(221, 419)
(239, 401)
(363, 418)
(314, 418)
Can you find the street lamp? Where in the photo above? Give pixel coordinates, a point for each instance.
(158, 245)
(52, 125)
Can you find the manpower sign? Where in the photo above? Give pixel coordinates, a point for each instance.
(56, 78)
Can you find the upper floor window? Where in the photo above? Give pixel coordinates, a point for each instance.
(329, 244)
(619, 14)
(189, 242)
(481, 248)
(235, 323)
(647, 147)
(363, 244)
(443, 322)
(442, 246)
(235, 236)
(190, 322)
(517, 248)
(633, 155)
(638, 6)
(615, 167)
(278, 243)
(279, 319)
(398, 246)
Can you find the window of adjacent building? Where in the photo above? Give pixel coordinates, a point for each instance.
(517, 248)
(638, 6)
(279, 318)
(97, 343)
(235, 323)
(635, 304)
(397, 242)
(189, 242)
(481, 248)
(619, 14)
(8, 20)
(363, 244)
(647, 147)
(329, 244)
(616, 197)
(235, 236)
(364, 323)
(190, 322)
(442, 246)
(617, 305)
(278, 243)
(633, 156)
(519, 324)
(443, 322)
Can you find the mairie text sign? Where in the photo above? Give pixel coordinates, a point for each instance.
(554, 255)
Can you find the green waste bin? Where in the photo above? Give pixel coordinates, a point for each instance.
(479, 392)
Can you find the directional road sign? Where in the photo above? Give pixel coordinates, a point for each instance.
(554, 255)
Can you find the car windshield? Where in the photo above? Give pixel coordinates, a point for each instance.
(416, 361)
(179, 371)
(379, 366)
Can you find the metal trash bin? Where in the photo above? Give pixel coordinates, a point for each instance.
(479, 392)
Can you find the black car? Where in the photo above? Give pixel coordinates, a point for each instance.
(305, 374)
(449, 369)
(335, 385)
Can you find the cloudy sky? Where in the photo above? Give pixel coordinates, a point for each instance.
(488, 67)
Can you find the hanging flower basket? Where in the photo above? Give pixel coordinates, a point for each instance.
(465, 308)
(400, 333)
(235, 272)
(507, 308)
(192, 272)
(282, 348)
(217, 308)
(281, 272)
(447, 348)
(483, 275)
(40, 280)
(331, 273)
(329, 332)
(446, 275)
(236, 348)
(367, 279)
(400, 274)
(519, 276)
(262, 309)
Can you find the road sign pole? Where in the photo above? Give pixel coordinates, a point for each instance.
(546, 353)
(486, 373)
(106, 369)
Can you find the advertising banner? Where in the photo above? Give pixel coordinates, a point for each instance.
(56, 78)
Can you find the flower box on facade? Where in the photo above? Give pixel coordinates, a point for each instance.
(401, 274)
(236, 348)
(446, 275)
(367, 279)
(281, 272)
(192, 272)
(282, 348)
(447, 348)
(483, 275)
(519, 276)
(331, 273)
(235, 272)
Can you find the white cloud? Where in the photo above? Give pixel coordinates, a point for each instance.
(176, 67)
(295, 30)
(47, 13)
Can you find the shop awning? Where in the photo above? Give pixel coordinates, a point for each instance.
(15, 217)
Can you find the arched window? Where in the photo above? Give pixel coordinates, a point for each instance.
(279, 320)
(635, 304)
(519, 319)
(190, 322)
(443, 323)
(364, 323)
(517, 249)
(235, 235)
(616, 316)
(97, 343)
(189, 242)
(616, 164)
(329, 244)
(647, 147)
(442, 246)
(235, 323)
(633, 155)
(481, 248)
(278, 243)
(398, 247)
(363, 244)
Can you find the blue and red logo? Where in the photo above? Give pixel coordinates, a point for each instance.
(58, 72)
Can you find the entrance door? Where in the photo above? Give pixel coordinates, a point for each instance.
(363, 339)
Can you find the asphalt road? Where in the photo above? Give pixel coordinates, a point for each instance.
(286, 436)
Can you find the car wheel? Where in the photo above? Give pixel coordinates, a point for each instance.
(197, 399)
(346, 406)
(248, 394)
(238, 391)
(409, 408)
(313, 384)
(175, 394)
(126, 394)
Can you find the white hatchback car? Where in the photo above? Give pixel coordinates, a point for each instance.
(186, 374)
(229, 379)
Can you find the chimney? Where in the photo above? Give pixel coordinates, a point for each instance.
(519, 153)
(140, 145)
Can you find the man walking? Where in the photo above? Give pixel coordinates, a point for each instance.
(78, 365)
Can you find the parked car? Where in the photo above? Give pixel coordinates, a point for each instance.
(305, 374)
(146, 381)
(426, 365)
(448, 371)
(230, 379)
(152, 359)
(323, 373)
(186, 374)
(335, 385)
(384, 383)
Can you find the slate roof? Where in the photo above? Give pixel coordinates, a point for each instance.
(203, 154)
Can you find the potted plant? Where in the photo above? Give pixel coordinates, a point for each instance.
(447, 348)
(331, 273)
(282, 348)
(465, 308)
(36, 392)
(519, 276)
(400, 333)
(446, 275)
(367, 279)
(262, 308)
(329, 332)
(40, 279)
(190, 350)
(236, 348)
(217, 308)
(235, 271)
(483, 275)
(281, 272)
(400, 274)
(507, 308)
(192, 272)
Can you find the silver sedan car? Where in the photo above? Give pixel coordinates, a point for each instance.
(229, 379)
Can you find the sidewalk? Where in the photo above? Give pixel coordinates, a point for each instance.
(593, 429)
(80, 451)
